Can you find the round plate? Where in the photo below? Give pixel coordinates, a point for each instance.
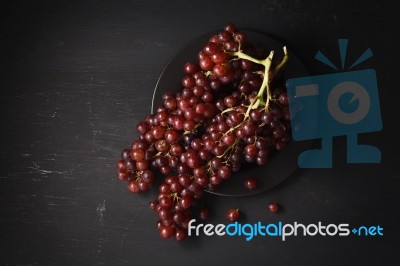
(282, 164)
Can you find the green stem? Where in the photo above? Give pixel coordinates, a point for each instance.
(242, 55)
(259, 100)
(280, 66)
(265, 84)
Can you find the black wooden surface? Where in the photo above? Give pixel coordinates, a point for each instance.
(75, 78)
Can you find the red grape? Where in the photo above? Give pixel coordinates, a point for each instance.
(233, 215)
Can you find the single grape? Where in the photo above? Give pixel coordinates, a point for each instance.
(137, 154)
(233, 215)
(191, 68)
(185, 201)
(210, 48)
(250, 183)
(166, 231)
(165, 201)
(180, 234)
(133, 186)
(204, 213)
(143, 186)
(273, 207)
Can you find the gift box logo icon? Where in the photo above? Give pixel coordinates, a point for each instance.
(343, 103)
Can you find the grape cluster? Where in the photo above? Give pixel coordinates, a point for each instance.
(232, 109)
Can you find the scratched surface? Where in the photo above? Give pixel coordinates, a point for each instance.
(75, 78)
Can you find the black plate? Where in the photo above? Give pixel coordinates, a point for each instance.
(282, 164)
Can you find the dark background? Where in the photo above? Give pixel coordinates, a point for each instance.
(75, 78)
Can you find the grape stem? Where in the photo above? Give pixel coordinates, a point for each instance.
(259, 100)
(282, 64)
(229, 148)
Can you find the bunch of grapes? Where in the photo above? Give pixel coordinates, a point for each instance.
(232, 109)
